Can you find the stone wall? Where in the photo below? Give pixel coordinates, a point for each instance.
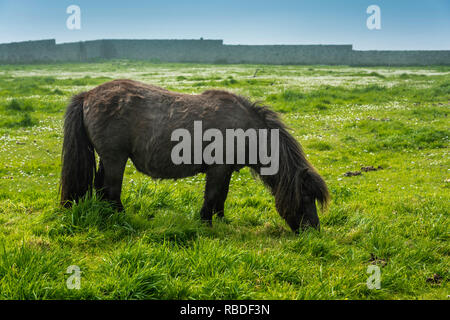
(212, 51)
(288, 54)
(27, 52)
(400, 58)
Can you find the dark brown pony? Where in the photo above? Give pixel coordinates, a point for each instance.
(125, 119)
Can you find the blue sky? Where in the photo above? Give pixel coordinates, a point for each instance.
(405, 24)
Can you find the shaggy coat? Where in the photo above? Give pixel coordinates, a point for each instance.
(125, 119)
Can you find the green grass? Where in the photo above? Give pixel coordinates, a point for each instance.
(346, 118)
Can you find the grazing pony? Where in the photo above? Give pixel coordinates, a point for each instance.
(125, 119)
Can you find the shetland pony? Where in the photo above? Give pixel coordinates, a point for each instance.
(124, 119)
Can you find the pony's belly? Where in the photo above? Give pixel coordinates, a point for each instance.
(167, 170)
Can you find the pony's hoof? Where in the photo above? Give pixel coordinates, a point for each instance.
(207, 222)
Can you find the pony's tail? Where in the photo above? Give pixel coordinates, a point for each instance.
(78, 157)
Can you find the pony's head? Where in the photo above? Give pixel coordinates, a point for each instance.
(297, 186)
(296, 191)
(297, 203)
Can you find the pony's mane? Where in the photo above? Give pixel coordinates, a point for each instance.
(296, 174)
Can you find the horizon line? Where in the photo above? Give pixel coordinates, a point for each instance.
(223, 43)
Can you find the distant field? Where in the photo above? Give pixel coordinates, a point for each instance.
(395, 217)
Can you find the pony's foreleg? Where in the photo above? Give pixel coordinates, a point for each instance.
(216, 189)
(113, 176)
(220, 204)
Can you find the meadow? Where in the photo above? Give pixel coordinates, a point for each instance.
(379, 137)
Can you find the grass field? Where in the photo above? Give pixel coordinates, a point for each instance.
(395, 217)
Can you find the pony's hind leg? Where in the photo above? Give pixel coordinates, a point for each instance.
(99, 181)
(113, 169)
(216, 189)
